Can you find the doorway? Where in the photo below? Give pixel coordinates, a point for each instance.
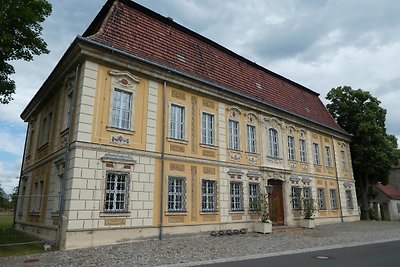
(275, 200)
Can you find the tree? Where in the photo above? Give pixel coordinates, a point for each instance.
(373, 151)
(20, 32)
(3, 199)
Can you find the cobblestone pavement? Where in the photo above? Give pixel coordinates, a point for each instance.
(205, 248)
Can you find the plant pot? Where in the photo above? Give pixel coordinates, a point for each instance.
(307, 223)
(264, 228)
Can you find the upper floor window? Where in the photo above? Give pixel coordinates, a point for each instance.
(233, 134)
(254, 196)
(273, 141)
(116, 192)
(122, 110)
(317, 159)
(177, 122)
(328, 156)
(303, 153)
(291, 150)
(344, 163)
(208, 129)
(236, 196)
(45, 130)
(208, 195)
(176, 194)
(321, 198)
(251, 138)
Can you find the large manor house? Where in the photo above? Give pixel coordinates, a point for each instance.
(146, 129)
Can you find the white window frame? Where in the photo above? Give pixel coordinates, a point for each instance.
(328, 156)
(291, 148)
(234, 132)
(208, 195)
(176, 194)
(333, 198)
(254, 196)
(273, 143)
(321, 198)
(116, 192)
(349, 200)
(296, 198)
(317, 157)
(177, 122)
(251, 138)
(208, 128)
(236, 190)
(307, 194)
(344, 162)
(303, 150)
(122, 109)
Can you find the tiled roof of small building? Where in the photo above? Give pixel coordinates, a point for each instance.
(133, 29)
(389, 190)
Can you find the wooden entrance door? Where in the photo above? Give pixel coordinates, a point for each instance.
(275, 200)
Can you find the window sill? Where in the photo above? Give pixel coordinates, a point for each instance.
(55, 213)
(43, 147)
(236, 212)
(118, 130)
(208, 146)
(252, 153)
(115, 214)
(234, 150)
(34, 213)
(209, 212)
(65, 131)
(176, 213)
(179, 141)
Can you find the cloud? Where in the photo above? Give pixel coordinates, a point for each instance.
(9, 175)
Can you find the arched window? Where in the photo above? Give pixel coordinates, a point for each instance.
(273, 141)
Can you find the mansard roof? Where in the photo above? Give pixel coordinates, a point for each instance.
(135, 30)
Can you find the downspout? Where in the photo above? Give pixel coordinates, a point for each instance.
(61, 224)
(20, 176)
(337, 178)
(162, 161)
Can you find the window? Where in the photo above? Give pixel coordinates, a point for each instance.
(121, 110)
(317, 159)
(303, 157)
(208, 195)
(176, 194)
(321, 198)
(67, 109)
(37, 196)
(233, 135)
(349, 199)
(45, 133)
(333, 199)
(116, 192)
(273, 141)
(251, 138)
(208, 129)
(254, 196)
(177, 122)
(307, 193)
(296, 197)
(328, 156)
(236, 196)
(344, 163)
(291, 148)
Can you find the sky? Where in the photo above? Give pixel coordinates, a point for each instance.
(321, 44)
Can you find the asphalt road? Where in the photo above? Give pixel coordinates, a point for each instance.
(372, 255)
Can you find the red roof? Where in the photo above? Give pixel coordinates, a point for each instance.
(136, 30)
(389, 190)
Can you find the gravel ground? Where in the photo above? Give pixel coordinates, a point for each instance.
(205, 248)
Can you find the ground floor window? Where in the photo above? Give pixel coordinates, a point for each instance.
(321, 198)
(254, 196)
(116, 192)
(349, 199)
(208, 195)
(296, 197)
(176, 194)
(333, 199)
(236, 196)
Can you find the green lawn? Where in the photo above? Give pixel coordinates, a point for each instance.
(10, 236)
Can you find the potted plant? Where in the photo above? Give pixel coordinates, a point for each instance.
(308, 210)
(265, 225)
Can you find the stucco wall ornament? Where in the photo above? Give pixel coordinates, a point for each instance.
(120, 139)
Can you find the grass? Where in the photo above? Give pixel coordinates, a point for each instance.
(9, 236)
